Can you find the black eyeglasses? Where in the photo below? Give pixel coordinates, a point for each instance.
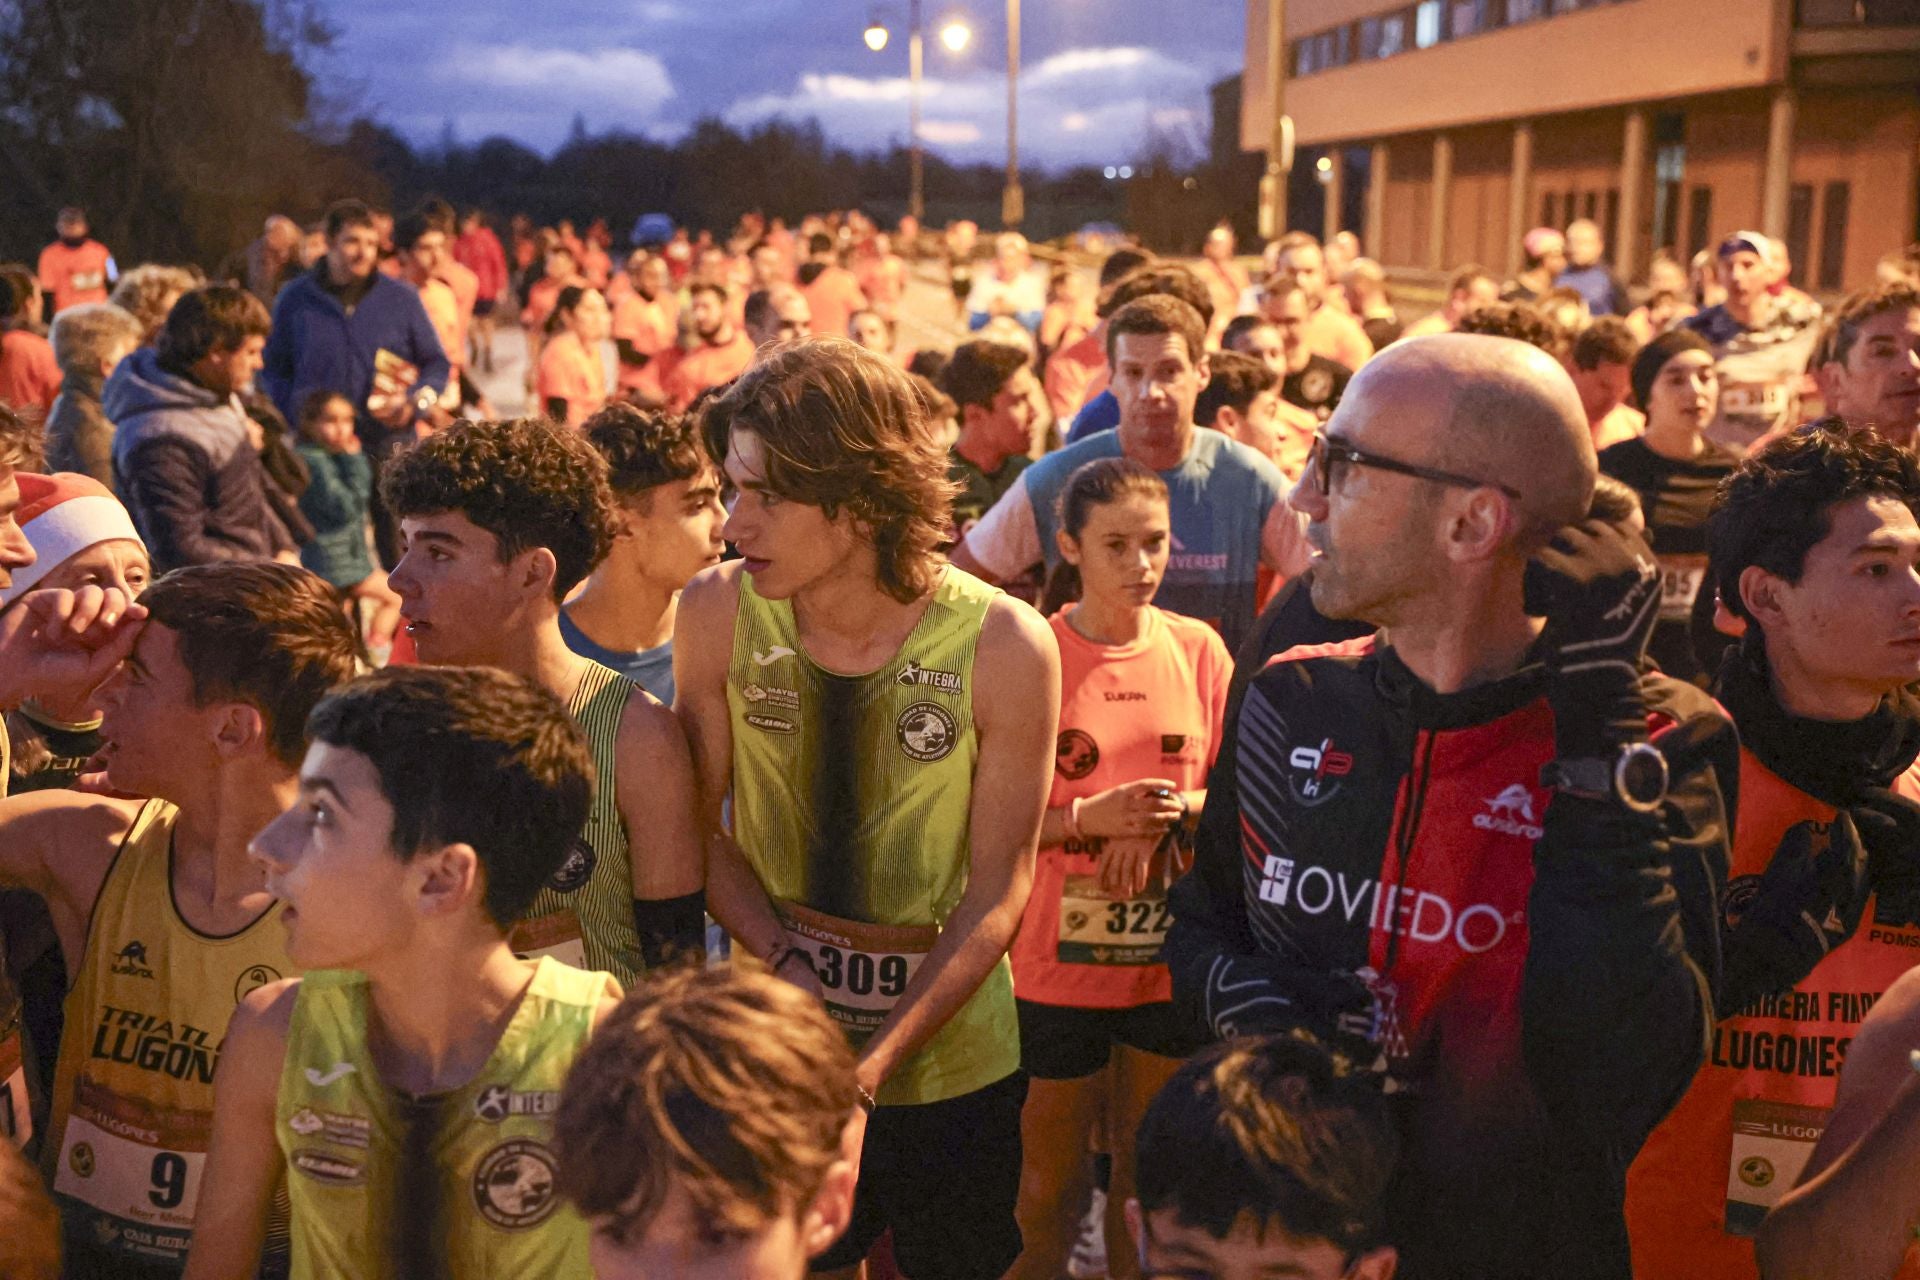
(1327, 452)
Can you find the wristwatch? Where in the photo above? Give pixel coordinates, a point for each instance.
(1637, 777)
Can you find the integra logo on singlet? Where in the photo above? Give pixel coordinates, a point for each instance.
(498, 1101)
(914, 674)
(927, 732)
(1314, 773)
(131, 960)
(153, 1043)
(1411, 913)
(1510, 813)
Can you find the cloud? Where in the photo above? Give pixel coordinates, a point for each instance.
(630, 76)
(1095, 105)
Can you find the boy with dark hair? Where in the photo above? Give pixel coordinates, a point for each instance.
(183, 453)
(992, 384)
(1265, 1156)
(1601, 365)
(501, 520)
(667, 514)
(706, 1132)
(1242, 402)
(404, 1088)
(1814, 545)
(163, 920)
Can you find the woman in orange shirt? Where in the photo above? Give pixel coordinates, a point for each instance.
(1143, 694)
(573, 372)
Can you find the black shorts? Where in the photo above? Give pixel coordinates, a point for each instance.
(945, 1176)
(483, 307)
(1058, 1042)
(962, 287)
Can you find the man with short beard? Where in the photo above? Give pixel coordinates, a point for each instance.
(720, 352)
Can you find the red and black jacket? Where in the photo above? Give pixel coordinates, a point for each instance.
(1381, 860)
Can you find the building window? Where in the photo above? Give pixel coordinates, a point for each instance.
(1610, 222)
(1469, 17)
(1799, 230)
(1833, 234)
(1426, 24)
(1519, 11)
(1590, 205)
(1699, 219)
(1669, 170)
(1549, 209)
(1383, 37)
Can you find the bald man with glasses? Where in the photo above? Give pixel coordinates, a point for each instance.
(1472, 852)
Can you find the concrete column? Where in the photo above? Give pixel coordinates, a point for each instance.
(1442, 201)
(1633, 188)
(1519, 193)
(1777, 184)
(1376, 245)
(1334, 193)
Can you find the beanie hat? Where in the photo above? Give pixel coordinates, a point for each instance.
(62, 515)
(1654, 356)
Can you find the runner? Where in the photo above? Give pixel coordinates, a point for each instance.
(667, 513)
(1078, 371)
(1872, 379)
(1676, 471)
(1142, 693)
(163, 922)
(875, 332)
(719, 354)
(777, 314)
(1471, 286)
(502, 520)
(1101, 410)
(884, 724)
(1814, 546)
(422, 250)
(75, 268)
(1364, 284)
(1230, 517)
(1330, 331)
(1761, 345)
(1587, 272)
(1488, 775)
(1222, 273)
(1312, 382)
(1601, 364)
(403, 1090)
(1242, 402)
(479, 250)
(1265, 1158)
(572, 384)
(832, 293)
(29, 373)
(646, 320)
(557, 272)
(993, 386)
(1543, 256)
(706, 1130)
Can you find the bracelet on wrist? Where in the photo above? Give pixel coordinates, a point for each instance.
(1073, 818)
(867, 1101)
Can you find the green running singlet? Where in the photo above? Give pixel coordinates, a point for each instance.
(851, 799)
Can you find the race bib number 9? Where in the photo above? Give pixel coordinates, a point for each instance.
(557, 934)
(137, 1167)
(1097, 928)
(863, 969)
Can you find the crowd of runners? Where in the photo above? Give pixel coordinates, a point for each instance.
(1209, 775)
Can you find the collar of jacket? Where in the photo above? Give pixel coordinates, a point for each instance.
(1400, 688)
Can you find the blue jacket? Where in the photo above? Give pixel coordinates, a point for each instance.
(186, 468)
(316, 343)
(335, 502)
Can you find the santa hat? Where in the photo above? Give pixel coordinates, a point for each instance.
(62, 515)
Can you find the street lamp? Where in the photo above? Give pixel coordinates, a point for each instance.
(876, 35)
(954, 34)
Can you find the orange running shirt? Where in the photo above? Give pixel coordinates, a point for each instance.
(29, 378)
(833, 297)
(569, 372)
(650, 326)
(689, 373)
(443, 313)
(1151, 709)
(75, 274)
(1736, 1142)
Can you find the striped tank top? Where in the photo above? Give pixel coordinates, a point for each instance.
(583, 915)
(851, 800)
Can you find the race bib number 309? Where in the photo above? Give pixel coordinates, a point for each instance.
(863, 969)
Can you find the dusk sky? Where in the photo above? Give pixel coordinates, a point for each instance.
(1096, 76)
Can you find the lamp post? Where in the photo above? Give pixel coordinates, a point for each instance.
(1013, 204)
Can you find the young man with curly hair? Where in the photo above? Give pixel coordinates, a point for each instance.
(884, 725)
(500, 521)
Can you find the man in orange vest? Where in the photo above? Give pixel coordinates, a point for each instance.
(1815, 546)
(75, 268)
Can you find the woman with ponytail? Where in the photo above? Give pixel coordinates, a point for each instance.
(573, 375)
(1143, 695)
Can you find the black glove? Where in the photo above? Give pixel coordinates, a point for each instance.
(1602, 596)
(1889, 826)
(1809, 901)
(1252, 995)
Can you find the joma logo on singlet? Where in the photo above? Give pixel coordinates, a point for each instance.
(152, 1043)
